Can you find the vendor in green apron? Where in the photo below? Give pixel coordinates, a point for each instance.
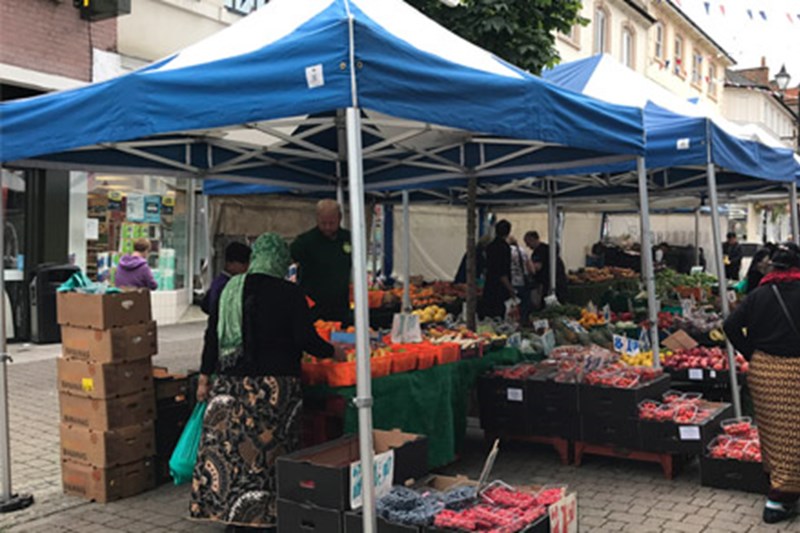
(324, 257)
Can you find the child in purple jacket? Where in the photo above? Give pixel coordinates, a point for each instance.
(133, 270)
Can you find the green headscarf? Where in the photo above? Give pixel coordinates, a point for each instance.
(271, 257)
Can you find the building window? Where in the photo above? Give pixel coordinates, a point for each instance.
(697, 68)
(712, 79)
(678, 56)
(628, 44)
(601, 25)
(659, 41)
(573, 37)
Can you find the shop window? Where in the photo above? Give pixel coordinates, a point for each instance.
(678, 56)
(697, 69)
(712, 79)
(122, 209)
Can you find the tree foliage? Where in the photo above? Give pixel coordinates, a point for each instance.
(519, 31)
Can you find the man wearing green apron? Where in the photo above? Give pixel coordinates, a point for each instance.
(324, 256)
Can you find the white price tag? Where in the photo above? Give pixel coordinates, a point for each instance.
(696, 374)
(514, 395)
(689, 432)
(712, 374)
(383, 468)
(564, 515)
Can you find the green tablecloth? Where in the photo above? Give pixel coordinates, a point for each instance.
(429, 402)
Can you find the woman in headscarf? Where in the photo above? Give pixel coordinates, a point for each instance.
(771, 317)
(254, 345)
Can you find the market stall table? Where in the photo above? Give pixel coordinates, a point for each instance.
(430, 402)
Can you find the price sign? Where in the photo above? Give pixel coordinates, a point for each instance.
(383, 468)
(564, 515)
(696, 374)
(514, 395)
(689, 432)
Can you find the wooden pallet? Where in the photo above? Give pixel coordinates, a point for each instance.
(668, 461)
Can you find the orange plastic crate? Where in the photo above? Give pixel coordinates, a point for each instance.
(342, 374)
(375, 299)
(426, 358)
(404, 362)
(380, 367)
(447, 353)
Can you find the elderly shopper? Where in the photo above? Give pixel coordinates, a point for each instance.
(766, 329)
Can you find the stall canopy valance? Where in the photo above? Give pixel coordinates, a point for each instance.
(261, 102)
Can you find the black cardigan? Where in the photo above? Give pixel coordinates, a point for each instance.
(276, 327)
(768, 329)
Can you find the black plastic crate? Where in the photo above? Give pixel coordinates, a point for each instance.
(611, 429)
(670, 437)
(503, 405)
(541, 525)
(306, 518)
(594, 399)
(353, 524)
(550, 421)
(545, 391)
(733, 475)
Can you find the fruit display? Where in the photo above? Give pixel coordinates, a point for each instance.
(702, 357)
(600, 275)
(432, 313)
(468, 340)
(677, 407)
(619, 377)
(640, 359)
(590, 319)
(700, 323)
(521, 371)
(727, 447)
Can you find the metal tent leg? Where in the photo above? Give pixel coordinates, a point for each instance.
(8, 500)
(552, 239)
(648, 272)
(406, 253)
(363, 399)
(723, 282)
(793, 209)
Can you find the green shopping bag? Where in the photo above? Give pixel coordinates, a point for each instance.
(181, 464)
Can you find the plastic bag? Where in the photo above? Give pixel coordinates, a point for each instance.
(181, 464)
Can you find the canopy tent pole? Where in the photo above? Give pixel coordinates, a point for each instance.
(648, 272)
(697, 236)
(723, 282)
(795, 212)
(8, 500)
(363, 400)
(552, 237)
(472, 267)
(406, 253)
(340, 199)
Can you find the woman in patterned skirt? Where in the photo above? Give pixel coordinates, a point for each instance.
(771, 317)
(254, 345)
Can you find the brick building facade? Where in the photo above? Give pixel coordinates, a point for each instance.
(48, 36)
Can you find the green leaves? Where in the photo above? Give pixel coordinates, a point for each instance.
(519, 31)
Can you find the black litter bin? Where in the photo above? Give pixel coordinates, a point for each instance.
(46, 280)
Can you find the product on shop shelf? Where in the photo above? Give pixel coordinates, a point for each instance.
(518, 372)
(707, 358)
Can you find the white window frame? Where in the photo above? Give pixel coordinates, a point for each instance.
(678, 54)
(600, 35)
(712, 79)
(697, 68)
(628, 52)
(659, 40)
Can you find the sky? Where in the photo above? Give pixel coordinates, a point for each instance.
(747, 40)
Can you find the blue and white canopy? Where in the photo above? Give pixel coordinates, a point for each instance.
(261, 102)
(680, 134)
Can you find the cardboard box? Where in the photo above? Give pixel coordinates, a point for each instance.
(104, 311)
(353, 524)
(296, 517)
(107, 414)
(321, 475)
(104, 380)
(107, 484)
(113, 345)
(107, 448)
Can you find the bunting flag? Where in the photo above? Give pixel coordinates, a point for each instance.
(708, 80)
(763, 14)
(789, 16)
(722, 9)
(708, 7)
(750, 13)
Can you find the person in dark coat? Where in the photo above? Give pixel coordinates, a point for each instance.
(733, 253)
(759, 267)
(237, 259)
(498, 287)
(766, 329)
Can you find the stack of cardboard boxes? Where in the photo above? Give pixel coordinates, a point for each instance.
(105, 383)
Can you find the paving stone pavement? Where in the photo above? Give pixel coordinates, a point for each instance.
(613, 495)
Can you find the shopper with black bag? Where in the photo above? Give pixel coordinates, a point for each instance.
(766, 329)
